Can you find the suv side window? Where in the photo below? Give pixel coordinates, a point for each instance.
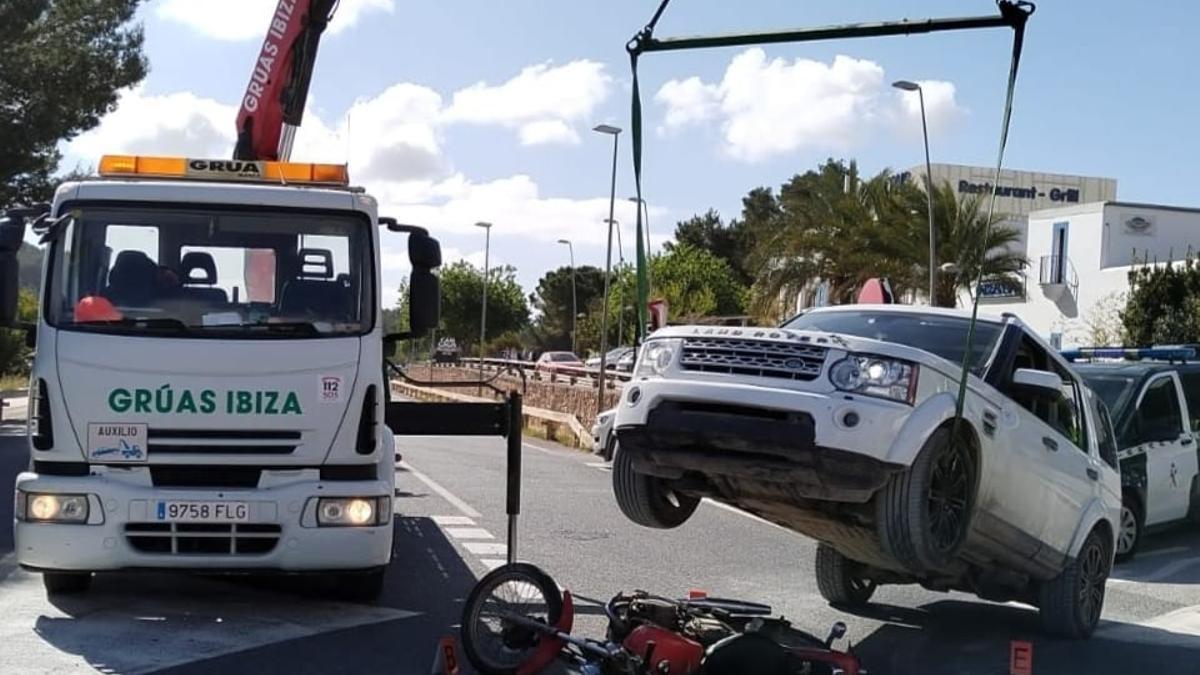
(1191, 394)
(1064, 414)
(1105, 438)
(1068, 411)
(1158, 416)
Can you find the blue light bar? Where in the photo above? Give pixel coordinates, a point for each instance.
(1131, 353)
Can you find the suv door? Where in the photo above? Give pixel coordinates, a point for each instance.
(1053, 436)
(1158, 424)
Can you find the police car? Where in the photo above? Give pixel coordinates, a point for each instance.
(1154, 396)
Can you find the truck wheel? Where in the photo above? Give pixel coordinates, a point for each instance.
(923, 512)
(66, 583)
(1130, 534)
(1071, 602)
(647, 500)
(838, 578)
(359, 586)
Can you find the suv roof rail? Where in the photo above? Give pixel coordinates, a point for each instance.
(1170, 353)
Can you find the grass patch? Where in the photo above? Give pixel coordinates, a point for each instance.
(10, 382)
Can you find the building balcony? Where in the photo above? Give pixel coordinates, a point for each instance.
(1057, 277)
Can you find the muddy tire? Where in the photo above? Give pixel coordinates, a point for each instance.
(1071, 602)
(923, 512)
(1129, 533)
(647, 500)
(839, 579)
(66, 583)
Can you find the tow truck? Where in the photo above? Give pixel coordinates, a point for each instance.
(208, 391)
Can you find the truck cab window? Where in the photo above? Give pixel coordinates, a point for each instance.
(1191, 394)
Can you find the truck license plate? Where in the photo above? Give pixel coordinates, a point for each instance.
(202, 512)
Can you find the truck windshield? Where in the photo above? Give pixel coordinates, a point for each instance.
(217, 273)
(945, 336)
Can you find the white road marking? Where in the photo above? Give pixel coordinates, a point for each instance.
(143, 623)
(468, 533)
(603, 466)
(493, 563)
(486, 548)
(1175, 628)
(452, 520)
(544, 451)
(751, 516)
(457, 503)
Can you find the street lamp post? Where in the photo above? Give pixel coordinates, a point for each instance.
(487, 245)
(913, 86)
(615, 132)
(574, 294)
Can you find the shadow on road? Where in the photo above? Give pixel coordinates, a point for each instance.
(955, 636)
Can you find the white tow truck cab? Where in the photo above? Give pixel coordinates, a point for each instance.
(208, 386)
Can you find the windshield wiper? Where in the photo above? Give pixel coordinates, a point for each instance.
(139, 322)
(300, 327)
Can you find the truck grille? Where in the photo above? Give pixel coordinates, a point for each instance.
(222, 441)
(757, 358)
(203, 538)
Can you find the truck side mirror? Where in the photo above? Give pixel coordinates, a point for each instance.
(424, 252)
(12, 234)
(424, 302)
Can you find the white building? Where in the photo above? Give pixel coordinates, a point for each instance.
(1079, 262)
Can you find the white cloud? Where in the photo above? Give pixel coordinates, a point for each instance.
(767, 107)
(542, 102)
(237, 20)
(172, 124)
(941, 108)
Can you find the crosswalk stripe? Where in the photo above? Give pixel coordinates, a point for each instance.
(452, 520)
(486, 548)
(469, 533)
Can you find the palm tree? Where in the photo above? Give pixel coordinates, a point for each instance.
(964, 238)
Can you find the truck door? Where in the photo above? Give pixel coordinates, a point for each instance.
(1171, 461)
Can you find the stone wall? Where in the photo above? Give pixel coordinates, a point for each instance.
(559, 395)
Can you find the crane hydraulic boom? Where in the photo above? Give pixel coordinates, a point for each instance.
(273, 105)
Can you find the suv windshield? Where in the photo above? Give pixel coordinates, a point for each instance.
(208, 273)
(945, 336)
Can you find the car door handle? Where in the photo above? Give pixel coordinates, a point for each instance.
(1093, 474)
(1050, 443)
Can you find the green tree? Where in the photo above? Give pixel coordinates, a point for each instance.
(707, 232)
(553, 303)
(63, 63)
(462, 302)
(13, 351)
(1164, 303)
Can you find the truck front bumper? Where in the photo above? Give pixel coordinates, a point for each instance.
(123, 532)
(830, 447)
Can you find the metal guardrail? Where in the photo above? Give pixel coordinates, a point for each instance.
(576, 377)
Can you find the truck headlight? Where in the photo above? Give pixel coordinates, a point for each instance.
(353, 511)
(656, 357)
(40, 507)
(873, 375)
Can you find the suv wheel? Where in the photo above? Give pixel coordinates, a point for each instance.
(1072, 601)
(647, 500)
(839, 580)
(923, 512)
(1130, 534)
(64, 583)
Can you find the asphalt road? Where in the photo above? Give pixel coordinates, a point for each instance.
(450, 528)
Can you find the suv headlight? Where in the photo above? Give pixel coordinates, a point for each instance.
(656, 357)
(873, 375)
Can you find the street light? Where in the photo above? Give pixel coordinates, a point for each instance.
(574, 295)
(620, 290)
(913, 86)
(487, 245)
(615, 132)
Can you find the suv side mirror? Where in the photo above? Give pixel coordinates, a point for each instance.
(1039, 383)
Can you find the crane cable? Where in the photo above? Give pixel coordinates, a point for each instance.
(1012, 13)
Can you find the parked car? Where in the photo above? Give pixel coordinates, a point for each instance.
(553, 362)
(446, 351)
(615, 359)
(604, 442)
(841, 425)
(1155, 404)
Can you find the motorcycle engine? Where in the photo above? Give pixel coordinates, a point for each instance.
(655, 611)
(705, 629)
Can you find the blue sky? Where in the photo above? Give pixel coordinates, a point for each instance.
(465, 110)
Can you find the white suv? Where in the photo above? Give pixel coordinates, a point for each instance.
(839, 425)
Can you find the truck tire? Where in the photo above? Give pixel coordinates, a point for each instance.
(647, 500)
(1130, 525)
(66, 583)
(359, 586)
(838, 578)
(923, 512)
(1071, 602)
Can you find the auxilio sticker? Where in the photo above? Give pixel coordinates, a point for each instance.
(330, 388)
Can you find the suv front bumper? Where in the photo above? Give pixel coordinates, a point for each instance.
(831, 447)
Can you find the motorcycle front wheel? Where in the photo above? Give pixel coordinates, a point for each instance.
(495, 644)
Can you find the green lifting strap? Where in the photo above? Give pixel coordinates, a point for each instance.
(1013, 14)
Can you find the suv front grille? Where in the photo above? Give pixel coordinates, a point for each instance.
(757, 358)
(203, 538)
